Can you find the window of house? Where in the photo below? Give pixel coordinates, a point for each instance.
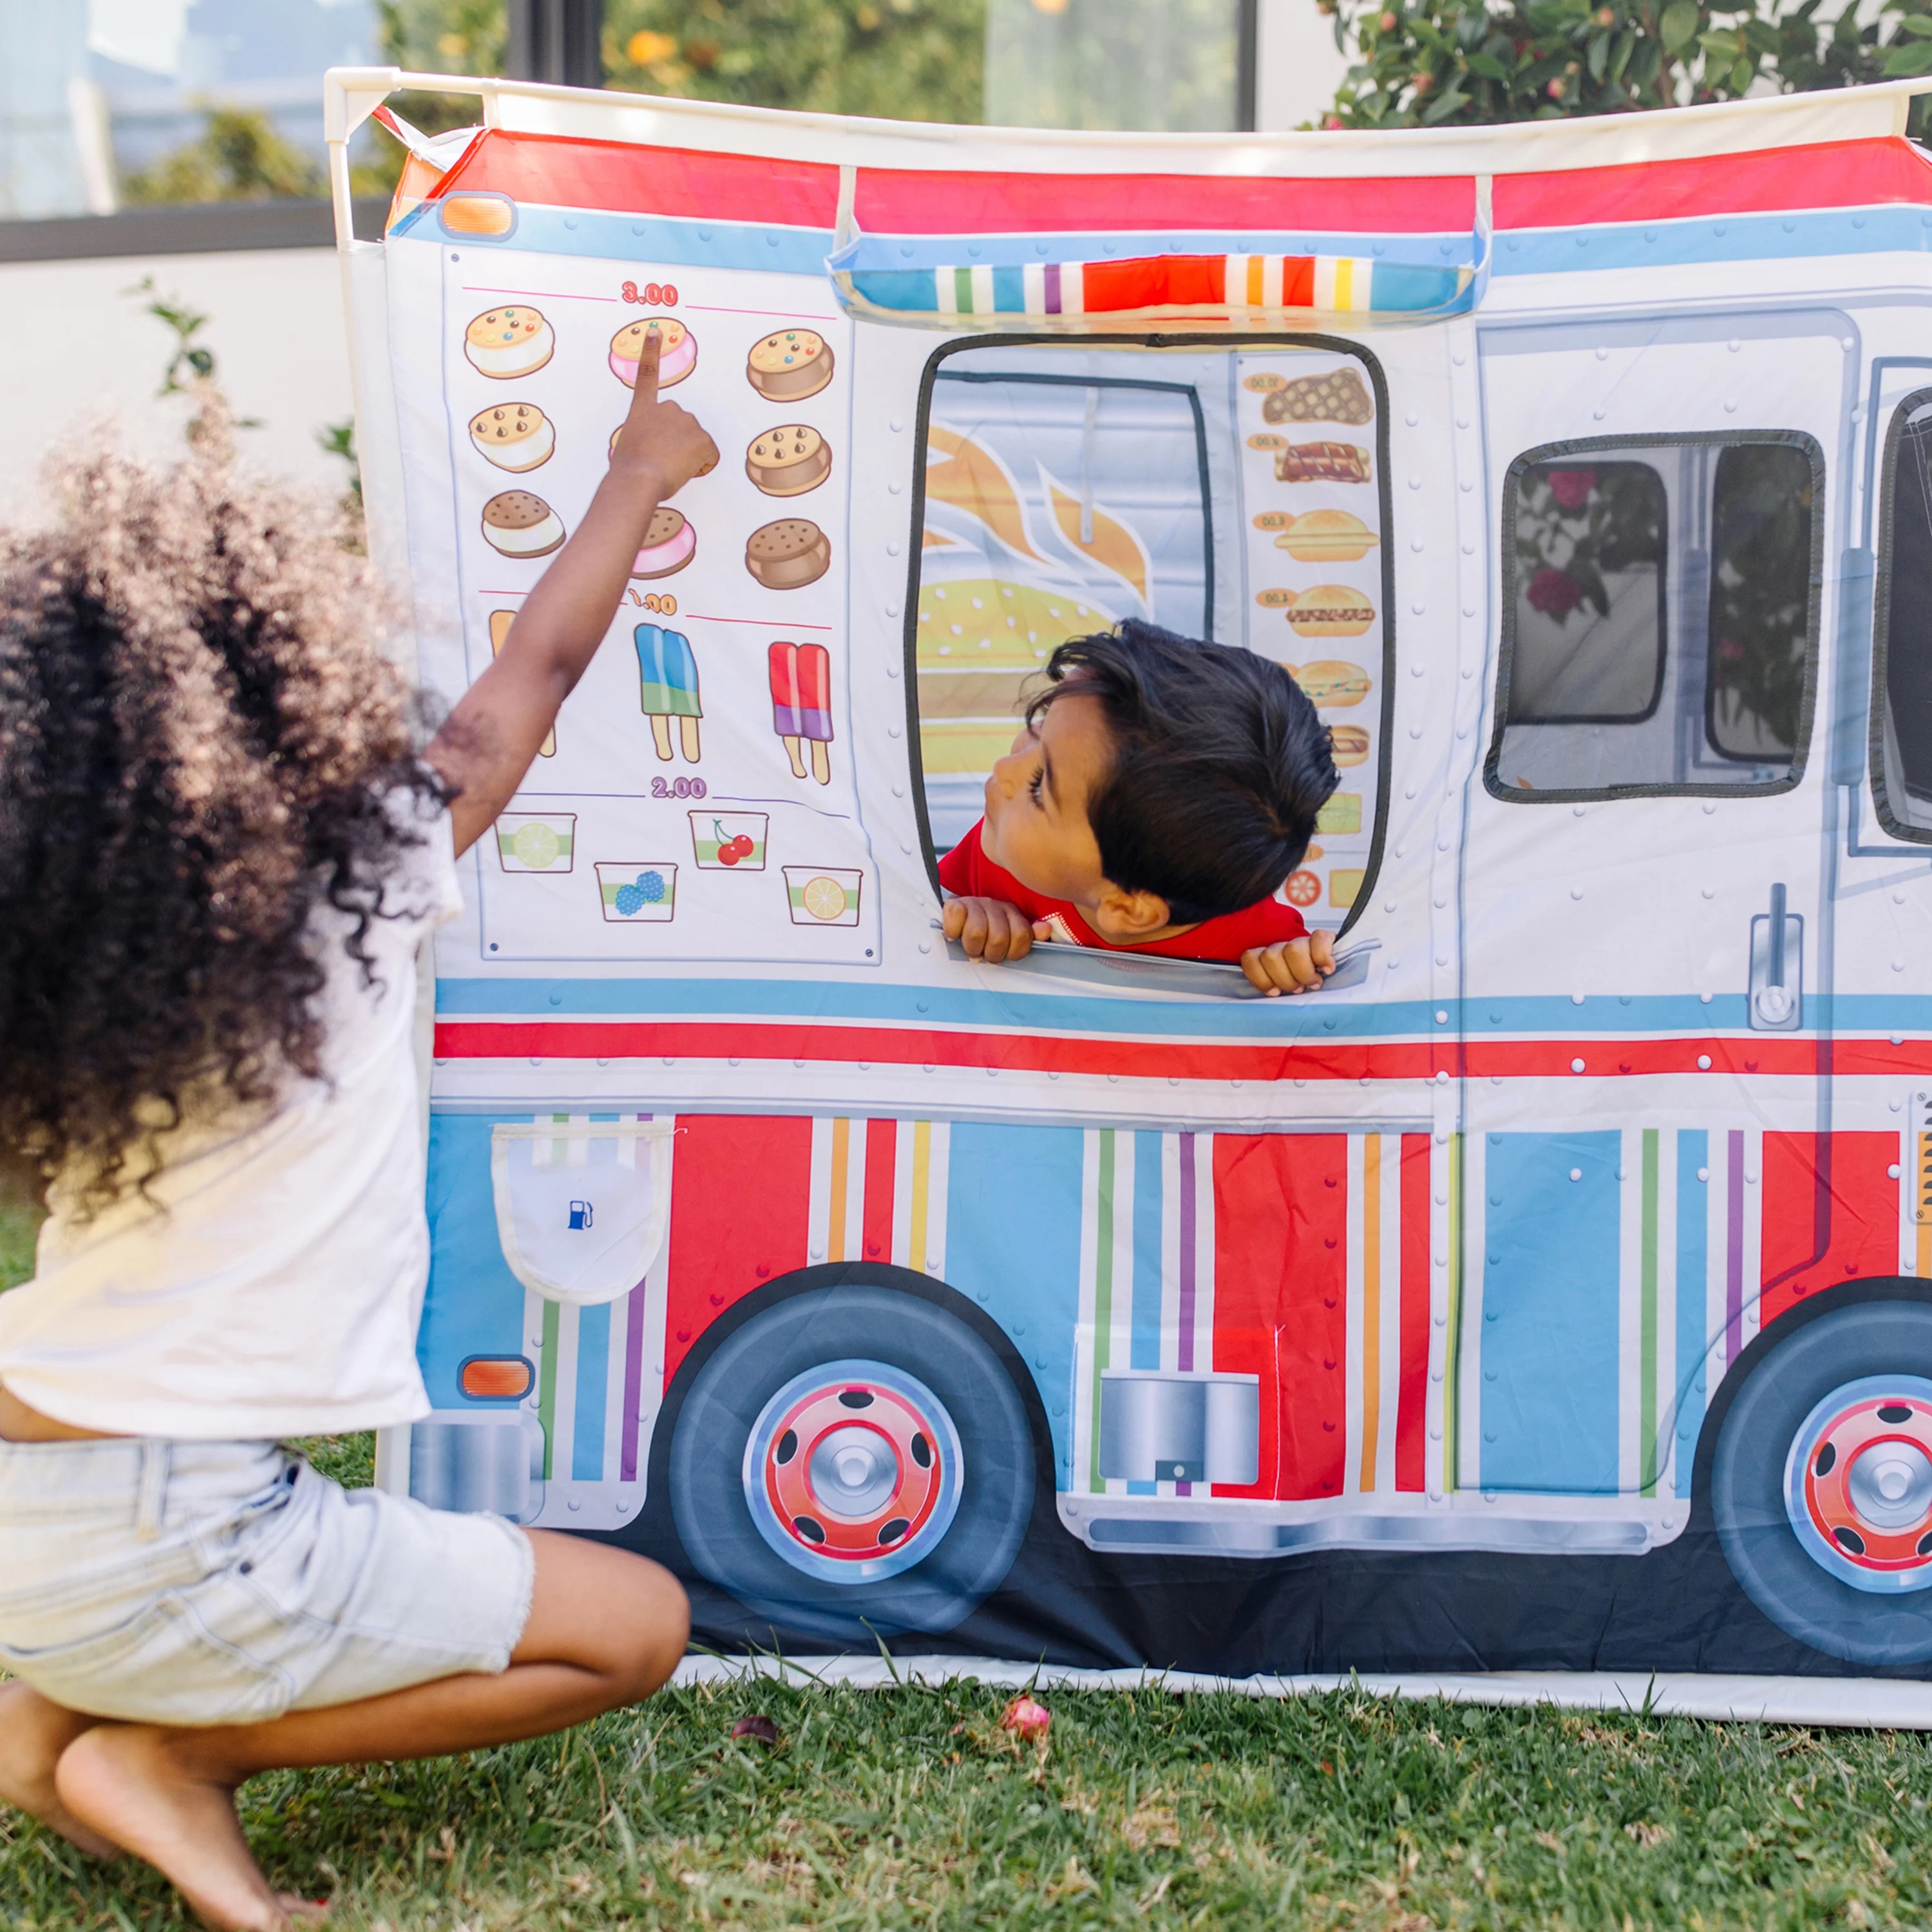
(1902, 680)
(1660, 616)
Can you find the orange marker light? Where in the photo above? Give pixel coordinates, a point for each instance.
(479, 215)
(496, 1378)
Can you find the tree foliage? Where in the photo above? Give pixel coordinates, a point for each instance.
(907, 60)
(239, 156)
(1432, 63)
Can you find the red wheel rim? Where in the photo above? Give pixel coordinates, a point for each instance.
(853, 1470)
(1867, 1486)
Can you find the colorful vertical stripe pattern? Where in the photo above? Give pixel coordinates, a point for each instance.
(878, 1192)
(1147, 1266)
(1334, 284)
(1389, 1314)
(591, 1386)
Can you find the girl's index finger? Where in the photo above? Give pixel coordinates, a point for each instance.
(647, 394)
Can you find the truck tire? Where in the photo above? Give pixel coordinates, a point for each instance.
(1821, 1484)
(853, 1460)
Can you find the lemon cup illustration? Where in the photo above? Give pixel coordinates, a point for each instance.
(824, 899)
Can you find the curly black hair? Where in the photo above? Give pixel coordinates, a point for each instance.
(1220, 762)
(199, 736)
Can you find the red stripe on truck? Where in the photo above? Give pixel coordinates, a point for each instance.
(1830, 1214)
(741, 1203)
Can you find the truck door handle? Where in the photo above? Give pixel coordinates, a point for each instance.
(1776, 999)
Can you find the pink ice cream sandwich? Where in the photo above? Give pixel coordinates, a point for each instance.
(669, 545)
(677, 352)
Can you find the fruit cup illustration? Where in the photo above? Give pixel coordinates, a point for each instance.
(730, 841)
(668, 688)
(535, 842)
(802, 705)
(634, 890)
(500, 622)
(822, 894)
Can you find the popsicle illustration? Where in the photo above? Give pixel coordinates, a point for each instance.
(802, 705)
(667, 687)
(500, 622)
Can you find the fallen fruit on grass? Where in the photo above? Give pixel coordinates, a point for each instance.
(1025, 1718)
(762, 1730)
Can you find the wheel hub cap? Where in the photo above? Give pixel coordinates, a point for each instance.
(1858, 1484)
(852, 1471)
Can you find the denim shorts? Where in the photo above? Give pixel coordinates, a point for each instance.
(227, 1583)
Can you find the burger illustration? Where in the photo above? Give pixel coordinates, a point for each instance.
(1331, 610)
(1333, 685)
(1327, 536)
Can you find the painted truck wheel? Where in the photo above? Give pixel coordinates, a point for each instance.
(1822, 1483)
(853, 1460)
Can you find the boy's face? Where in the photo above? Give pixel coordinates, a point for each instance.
(1036, 825)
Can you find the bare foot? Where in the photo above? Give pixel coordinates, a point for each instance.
(143, 1787)
(34, 1731)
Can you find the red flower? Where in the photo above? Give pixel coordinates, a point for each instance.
(1025, 1718)
(1571, 487)
(1554, 592)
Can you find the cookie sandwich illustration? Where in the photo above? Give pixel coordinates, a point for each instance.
(504, 343)
(516, 436)
(677, 352)
(789, 461)
(801, 678)
(787, 555)
(669, 545)
(790, 366)
(668, 688)
(1338, 396)
(520, 523)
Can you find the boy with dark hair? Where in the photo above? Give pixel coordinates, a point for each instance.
(1162, 791)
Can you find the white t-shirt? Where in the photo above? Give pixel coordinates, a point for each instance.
(278, 1294)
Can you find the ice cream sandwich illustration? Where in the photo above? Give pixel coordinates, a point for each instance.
(516, 436)
(1327, 536)
(506, 343)
(668, 688)
(669, 545)
(677, 352)
(1331, 610)
(500, 622)
(1322, 463)
(1348, 744)
(520, 523)
(1337, 396)
(801, 676)
(789, 461)
(787, 555)
(790, 366)
(1331, 684)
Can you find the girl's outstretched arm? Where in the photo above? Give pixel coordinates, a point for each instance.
(487, 744)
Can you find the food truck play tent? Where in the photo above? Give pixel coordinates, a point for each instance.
(1552, 1292)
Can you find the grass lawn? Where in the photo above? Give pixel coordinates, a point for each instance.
(912, 1808)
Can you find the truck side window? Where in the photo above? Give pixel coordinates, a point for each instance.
(1902, 632)
(1660, 617)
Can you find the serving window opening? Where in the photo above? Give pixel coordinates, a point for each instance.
(1237, 495)
(1901, 763)
(1660, 617)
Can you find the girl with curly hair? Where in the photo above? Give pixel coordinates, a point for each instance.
(218, 851)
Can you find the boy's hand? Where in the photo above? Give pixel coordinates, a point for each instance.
(665, 445)
(1291, 965)
(990, 929)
